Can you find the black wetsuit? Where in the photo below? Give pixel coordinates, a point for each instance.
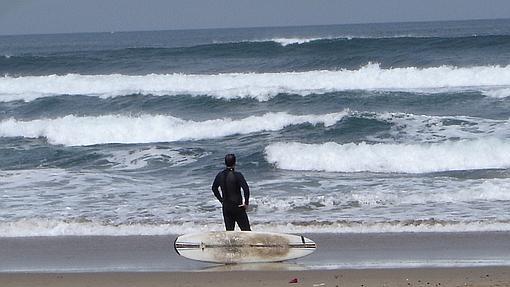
(231, 183)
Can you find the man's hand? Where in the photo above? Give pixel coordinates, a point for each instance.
(245, 206)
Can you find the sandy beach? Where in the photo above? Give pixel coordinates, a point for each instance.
(467, 276)
(391, 259)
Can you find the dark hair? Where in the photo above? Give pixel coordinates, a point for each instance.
(230, 159)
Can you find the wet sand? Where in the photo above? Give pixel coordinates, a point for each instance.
(335, 251)
(388, 259)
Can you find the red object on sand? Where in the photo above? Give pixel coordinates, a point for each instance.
(293, 280)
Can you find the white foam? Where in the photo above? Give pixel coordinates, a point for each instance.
(497, 93)
(261, 86)
(44, 227)
(423, 128)
(140, 157)
(149, 128)
(285, 41)
(440, 191)
(335, 196)
(484, 153)
(291, 41)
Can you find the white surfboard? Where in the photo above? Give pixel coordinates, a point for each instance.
(243, 246)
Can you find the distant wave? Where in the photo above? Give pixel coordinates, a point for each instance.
(299, 53)
(488, 153)
(148, 128)
(286, 41)
(291, 41)
(283, 41)
(262, 86)
(43, 227)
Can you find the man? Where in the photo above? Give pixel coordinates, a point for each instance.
(231, 182)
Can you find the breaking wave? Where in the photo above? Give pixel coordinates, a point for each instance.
(292, 41)
(260, 86)
(44, 227)
(151, 128)
(488, 153)
(497, 93)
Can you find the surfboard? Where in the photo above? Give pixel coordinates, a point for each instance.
(243, 246)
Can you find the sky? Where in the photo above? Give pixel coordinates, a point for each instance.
(72, 16)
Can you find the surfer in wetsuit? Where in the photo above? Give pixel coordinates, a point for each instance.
(231, 182)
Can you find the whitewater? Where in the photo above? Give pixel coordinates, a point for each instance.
(147, 128)
(262, 86)
(407, 158)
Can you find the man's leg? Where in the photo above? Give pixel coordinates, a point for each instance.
(242, 220)
(229, 219)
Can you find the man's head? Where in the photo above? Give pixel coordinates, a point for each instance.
(230, 160)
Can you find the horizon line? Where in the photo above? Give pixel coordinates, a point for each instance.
(251, 27)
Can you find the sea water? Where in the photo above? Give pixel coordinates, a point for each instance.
(347, 128)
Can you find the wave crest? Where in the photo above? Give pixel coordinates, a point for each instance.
(260, 86)
(151, 128)
(487, 153)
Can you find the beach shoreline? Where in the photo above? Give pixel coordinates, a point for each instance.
(155, 253)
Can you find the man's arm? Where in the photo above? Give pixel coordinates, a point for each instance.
(215, 186)
(246, 189)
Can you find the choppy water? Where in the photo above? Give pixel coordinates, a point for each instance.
(354, 128)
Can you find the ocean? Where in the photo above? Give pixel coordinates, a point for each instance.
(373, 128)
